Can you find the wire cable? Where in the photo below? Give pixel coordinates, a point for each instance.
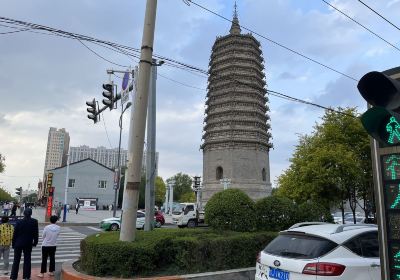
(385, 19)
(363, 26)
(183, 84)
(105, 128)
(275, 42)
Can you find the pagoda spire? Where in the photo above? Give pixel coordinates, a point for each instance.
(235, 28)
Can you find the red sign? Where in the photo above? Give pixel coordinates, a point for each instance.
(49, 202)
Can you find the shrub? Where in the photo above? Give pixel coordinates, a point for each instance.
(276, 213)
(170, 251)
(230, 209)
(315, 212)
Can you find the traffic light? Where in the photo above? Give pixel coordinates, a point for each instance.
(109, 95)
(382, 121)
(92, 110)
(19, 191)
(196, 183)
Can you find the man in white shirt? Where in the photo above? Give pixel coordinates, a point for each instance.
(50, 236)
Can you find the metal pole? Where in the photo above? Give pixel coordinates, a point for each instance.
(131, 192)
(150, 152)
(171, 196)
(66, 190)
(166, 199)
(119, 164)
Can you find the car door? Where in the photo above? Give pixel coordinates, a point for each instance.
(370, 250)
(366, 247)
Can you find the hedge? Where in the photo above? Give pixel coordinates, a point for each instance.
(231, 209)
(170, 251)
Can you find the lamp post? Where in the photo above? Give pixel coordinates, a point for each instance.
(118, 171)
(66, 190)
(171, 195)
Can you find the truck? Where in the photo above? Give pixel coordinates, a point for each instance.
(188, 215)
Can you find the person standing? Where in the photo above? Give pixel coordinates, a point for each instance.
(14, 210)
(77, 206)
(6, 235)
(49, 245)
(26, 235)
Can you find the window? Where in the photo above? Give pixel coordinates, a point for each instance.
(71, 183)
(298, 246)
(365, 245)
(140, 215)
(220, 173)
(264, 175)
(102, 184)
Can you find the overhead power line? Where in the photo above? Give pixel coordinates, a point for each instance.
(274, 42)
(363, 26)
(385, 19)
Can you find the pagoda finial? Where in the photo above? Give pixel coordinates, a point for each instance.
(235, 28)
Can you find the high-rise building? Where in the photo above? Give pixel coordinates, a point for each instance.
(57, 148)
(236, 132)
(107, 157)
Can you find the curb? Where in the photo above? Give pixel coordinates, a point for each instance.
(67, 224)
(68, 272)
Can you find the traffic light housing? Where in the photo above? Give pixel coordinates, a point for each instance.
(109, 95)
(382, 121)
(196, 183)
(92, 110)
(19, 191)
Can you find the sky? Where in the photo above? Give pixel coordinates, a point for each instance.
(46, 80)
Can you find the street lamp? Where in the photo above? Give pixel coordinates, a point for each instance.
(118, 171)
(66, 190)
(171, 194)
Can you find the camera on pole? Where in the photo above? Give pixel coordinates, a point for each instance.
(382, 121)
(92, 110)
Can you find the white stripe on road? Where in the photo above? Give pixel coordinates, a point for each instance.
(94, 228)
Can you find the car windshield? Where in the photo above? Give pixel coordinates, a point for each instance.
(299, 246)
(177, 209)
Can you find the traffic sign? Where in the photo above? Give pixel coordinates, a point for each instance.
(125, 80)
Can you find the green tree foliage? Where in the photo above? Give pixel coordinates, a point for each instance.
(314, 212)
(188, 197)
(230, 209)
(2, 164)
(276, 213)
(160, 191)
(332, 164)
(5, 195)
(183, 185)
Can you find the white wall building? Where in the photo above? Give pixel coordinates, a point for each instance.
(107, 157)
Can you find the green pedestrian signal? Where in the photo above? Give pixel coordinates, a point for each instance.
(382, 121)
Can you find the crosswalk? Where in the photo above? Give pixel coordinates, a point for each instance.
(68, 247)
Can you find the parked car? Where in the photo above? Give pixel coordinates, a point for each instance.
(115, 223)
(319, 251)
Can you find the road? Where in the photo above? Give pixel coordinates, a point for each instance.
(68, 248)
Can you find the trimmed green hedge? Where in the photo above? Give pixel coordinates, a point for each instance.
(170, 251)
(231, 209)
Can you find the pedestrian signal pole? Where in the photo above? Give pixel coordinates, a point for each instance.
(382, 122)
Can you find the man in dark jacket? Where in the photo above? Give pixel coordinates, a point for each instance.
(26, 235)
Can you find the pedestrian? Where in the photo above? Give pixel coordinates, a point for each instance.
(77, 206)
(6, 208)
(6, 235)
(68, 208)
(49, 245)
(26, 235)
(59, 209)
(14, 210)
(110, 207)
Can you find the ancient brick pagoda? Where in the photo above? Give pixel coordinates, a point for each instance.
(236, 132)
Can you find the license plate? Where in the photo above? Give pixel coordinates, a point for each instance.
(278, 274)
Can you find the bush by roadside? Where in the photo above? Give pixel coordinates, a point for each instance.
(170, 251)
(230, 209)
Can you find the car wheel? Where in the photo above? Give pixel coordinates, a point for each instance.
(192, 224)
(114, 227)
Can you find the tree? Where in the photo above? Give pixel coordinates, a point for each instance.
(5, 195)
(331, 165)
(2, 164)
(160, 191)
(188, 197)
(183, 184)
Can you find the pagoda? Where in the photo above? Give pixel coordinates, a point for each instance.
(236, 139)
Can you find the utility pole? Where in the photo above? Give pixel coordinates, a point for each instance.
(150, 151)
(166, 199)
(66, 190)
(138, 115)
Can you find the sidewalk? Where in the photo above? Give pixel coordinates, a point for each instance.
(34, 272)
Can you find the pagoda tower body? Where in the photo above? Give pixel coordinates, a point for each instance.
(236, 132)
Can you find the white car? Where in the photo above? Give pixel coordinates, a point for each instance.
(322, 251)
(115, 223)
